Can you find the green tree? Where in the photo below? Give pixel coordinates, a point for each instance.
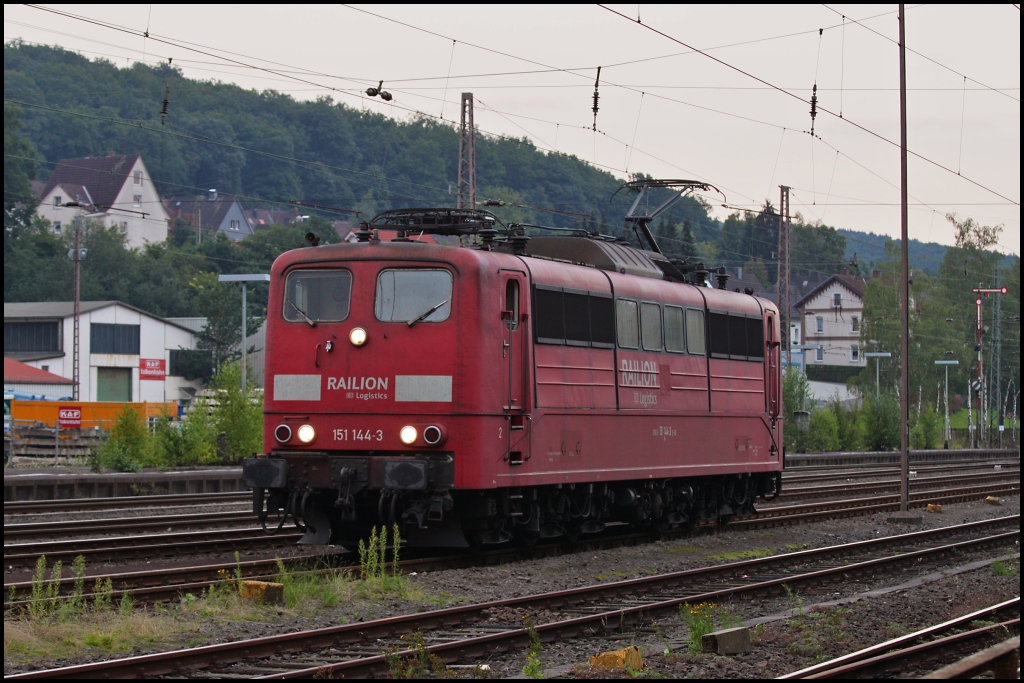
(19, 169)
(237, 415)
(823, 432)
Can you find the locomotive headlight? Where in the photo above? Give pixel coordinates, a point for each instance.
(357, 336)
(408, 435)
(306, 434)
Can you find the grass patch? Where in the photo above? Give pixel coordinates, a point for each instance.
(1003, 568)
(615, 574)
(27, 640)
(751, 554)
(682, 550)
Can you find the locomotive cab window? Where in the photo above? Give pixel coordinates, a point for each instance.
(413, 295)
(317, 295)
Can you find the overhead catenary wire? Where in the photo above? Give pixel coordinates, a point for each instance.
(628, 146)
(819, 108)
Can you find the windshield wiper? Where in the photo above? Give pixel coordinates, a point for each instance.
(424, 316)
(301, 312)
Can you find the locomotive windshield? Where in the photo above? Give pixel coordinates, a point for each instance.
(317, 296)
(413, 295)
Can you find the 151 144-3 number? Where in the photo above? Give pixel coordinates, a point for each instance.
(358, 435)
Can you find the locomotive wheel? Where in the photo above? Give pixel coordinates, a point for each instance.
(527, 538)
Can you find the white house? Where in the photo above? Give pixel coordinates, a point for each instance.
(125, 353)
(831, 315)
(114, 189)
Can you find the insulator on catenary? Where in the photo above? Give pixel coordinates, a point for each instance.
(597, 95)
(167, 99)
(814, 106)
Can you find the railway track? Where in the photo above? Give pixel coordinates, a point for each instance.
(473, 632)
(925, 649)
(80, 504)
(168, 584)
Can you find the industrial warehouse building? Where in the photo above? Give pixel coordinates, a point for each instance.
(126, 354)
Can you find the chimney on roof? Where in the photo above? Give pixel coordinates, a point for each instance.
(212, 195)
(739, 272)
(844, 271)
(876, 273)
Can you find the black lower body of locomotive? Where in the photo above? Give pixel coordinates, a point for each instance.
(338, 500)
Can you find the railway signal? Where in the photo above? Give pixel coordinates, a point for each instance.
(977, 385)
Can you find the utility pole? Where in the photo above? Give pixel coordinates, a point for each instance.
(980, 294)
(783, 275)
(467, 156)
(77, 256)
(904, 281)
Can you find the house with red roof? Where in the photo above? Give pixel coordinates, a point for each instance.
(23, 379)
(116, 190)
(832, 314)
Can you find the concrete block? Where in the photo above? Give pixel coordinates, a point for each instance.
(262, 592)
(731, 641)
(934, 507)
(619, 659)
(994, 500)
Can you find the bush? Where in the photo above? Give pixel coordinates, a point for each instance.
(846, 419)
(927, 431)
(127, 448)
(238, 416)
(879, 423)
(189, 442)
(823, 434)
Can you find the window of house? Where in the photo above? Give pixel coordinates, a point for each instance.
(136, 199)
(124, 227)
(137, 178)
(56, 226)
(32, 336)
(57, 200)
(837, 299)
(856, 324)
(854, 353)
(821, 324)
(819, 354)
(115, 339)
(44, 368)
(234, 225)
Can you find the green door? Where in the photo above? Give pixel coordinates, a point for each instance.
(114, 384)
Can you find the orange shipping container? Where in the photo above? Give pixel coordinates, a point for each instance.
(90, 414)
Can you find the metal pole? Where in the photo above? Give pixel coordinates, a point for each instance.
(243, 339)
(905, 279)
(75, 366)
(945, 399)
(878, 379)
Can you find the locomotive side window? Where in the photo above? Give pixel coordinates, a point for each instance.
(549, 316)
(695, 332)
(413, 295)
(577, 319)
(737, 337)
(650, 326)
(718, 334)
(602, 321)
(317, 295)
(675, 340)
(627, 324)
(755, 339)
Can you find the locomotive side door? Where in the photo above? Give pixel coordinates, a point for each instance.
(514, 353)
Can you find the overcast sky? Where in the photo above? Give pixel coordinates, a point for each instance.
(735, 116)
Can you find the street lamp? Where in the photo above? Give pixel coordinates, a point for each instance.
(947, 363)
(876, 355)
(244, 278)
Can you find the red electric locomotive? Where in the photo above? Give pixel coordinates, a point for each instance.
(509, 387)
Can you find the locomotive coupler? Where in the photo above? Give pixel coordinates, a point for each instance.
(345, 501)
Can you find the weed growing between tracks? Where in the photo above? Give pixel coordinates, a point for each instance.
(56, 626)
